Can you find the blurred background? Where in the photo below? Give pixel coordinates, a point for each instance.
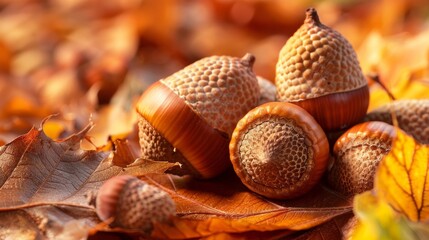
(89, 60)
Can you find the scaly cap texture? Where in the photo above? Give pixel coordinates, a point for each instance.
(412, 116)
(316, 61)
(221, 89)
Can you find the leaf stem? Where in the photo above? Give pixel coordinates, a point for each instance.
(40, 204)
(376, 78)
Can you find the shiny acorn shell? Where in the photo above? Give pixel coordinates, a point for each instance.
(189, 116)
(278, 150)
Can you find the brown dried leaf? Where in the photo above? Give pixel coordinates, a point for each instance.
(45, 185)
(33, 166)
(336, 229)
(224, 205)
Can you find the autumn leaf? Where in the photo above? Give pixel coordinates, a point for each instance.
(224, 205)
(45, 185)
(377, 220)
(402, 176)
(339, 227)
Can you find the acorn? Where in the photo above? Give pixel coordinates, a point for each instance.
(278, 150)
(267, 90)
(357, 154)
(318, 70)
(189, 116)
(412, 116)
(128, 202)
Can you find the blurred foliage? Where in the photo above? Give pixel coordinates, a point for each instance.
(74, 57)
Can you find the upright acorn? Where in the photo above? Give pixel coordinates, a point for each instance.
(189, 116)
(318, 70)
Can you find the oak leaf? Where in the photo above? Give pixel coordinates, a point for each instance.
(225, 206)
(45, 185)
(377, 220)
(402, 178)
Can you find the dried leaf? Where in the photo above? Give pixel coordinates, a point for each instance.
(377, 220)
(33, 165)
(402, 176)
(224, 205)
(336, 229)
(45, 184)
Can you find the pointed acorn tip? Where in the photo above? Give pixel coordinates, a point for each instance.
(248, 60)
(311, 16)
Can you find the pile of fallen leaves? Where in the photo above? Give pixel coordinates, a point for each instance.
(70, 75)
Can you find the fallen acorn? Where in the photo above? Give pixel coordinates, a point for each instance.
(189, 116)
(357, 154)
(278, 150)
(128, 202)
(412, 116)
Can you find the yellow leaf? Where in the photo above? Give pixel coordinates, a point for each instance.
(402, 178)
(377, 220)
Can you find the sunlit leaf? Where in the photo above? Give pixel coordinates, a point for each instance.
(377, 220)
(402, 178)
(47, 185)
(229, 207)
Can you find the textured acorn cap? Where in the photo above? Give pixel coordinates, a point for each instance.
(267, 90)
(221, 89)
(316, 61)
(357, 154)
(132, 203)
(318, 70)
(412, 116)
(278, 150)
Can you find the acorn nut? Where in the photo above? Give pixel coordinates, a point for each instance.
(131, 203)
(412, 116)
(318, 70)
(267, 90)
(189, 116)
(278, 150)
(357, 154)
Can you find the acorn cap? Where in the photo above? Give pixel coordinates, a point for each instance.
(267, 90)
(278, 150)
(357, 154)
(412, 116)
(221, 89)
(318, 70)
(316, 61)
(132, 203)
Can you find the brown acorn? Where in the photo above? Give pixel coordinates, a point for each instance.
(412, 116)
(319, 71)
(131, 203)
(357, 154)
(189, 116)
(278, 150)
(267, 89)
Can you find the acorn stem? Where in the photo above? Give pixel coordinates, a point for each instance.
(311, 17)
(376, 78)
(248, 60)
